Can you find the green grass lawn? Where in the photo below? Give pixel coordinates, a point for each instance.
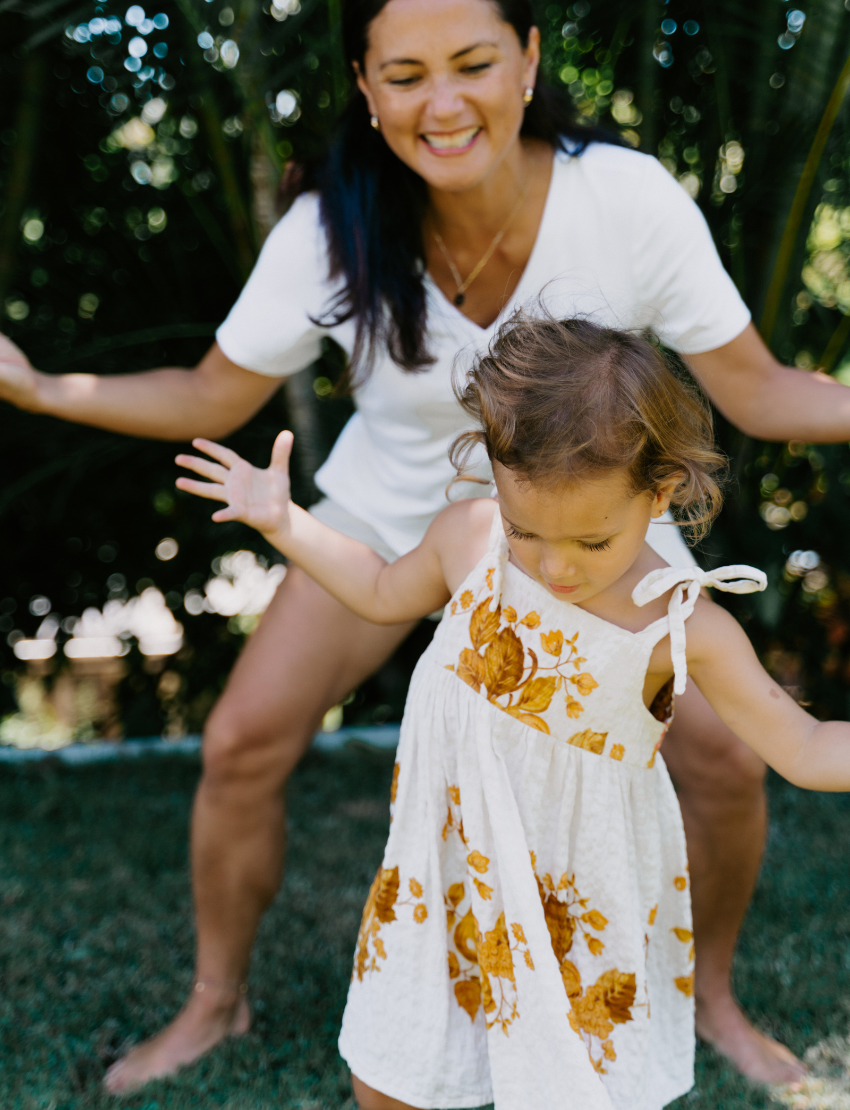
(96, 935)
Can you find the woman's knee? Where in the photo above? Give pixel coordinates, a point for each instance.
(735, 771)
(237, 748)
(714, 764)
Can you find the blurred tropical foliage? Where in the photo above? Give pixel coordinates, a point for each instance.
(140, 155)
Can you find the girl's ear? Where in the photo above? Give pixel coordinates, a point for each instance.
(663, 495)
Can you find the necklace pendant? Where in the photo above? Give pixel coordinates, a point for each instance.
(459, 299)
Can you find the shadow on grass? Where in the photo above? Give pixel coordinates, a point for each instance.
(96, 935)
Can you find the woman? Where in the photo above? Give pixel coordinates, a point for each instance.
(446, 202)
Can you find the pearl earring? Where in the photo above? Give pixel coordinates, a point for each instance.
(376, 123)
(528, 95)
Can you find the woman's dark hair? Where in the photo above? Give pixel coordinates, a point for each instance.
(373, 205)
(560, 401)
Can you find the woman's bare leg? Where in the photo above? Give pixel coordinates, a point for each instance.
(721, 791)
(369, 1099)
(306, 655)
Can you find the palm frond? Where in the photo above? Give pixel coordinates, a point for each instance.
(128, 339)
(53, 30)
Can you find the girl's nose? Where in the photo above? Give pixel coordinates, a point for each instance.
(555, 566)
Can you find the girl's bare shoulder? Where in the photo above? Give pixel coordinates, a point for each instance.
(712, 631)
(460, 534)
(465, 522)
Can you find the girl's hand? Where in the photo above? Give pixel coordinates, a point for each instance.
(259, 498)
(18, 380)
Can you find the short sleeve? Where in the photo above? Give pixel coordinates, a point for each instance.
(689, 299)
(270, 329)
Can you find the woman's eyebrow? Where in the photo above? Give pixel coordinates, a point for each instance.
(400, 62)
(417, 62)
(469, 49)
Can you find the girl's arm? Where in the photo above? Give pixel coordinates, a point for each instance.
(381, 592)
(722, 662)
(215, 398)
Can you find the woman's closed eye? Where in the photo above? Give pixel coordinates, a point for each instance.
(470, 71)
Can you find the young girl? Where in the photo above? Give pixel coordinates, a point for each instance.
(528, 936)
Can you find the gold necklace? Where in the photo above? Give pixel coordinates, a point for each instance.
(462, 286)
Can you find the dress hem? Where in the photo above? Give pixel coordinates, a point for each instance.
(676, 1092)
(380, 1084)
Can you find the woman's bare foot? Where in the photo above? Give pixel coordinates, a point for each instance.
(207, 1018)
(726, 1028)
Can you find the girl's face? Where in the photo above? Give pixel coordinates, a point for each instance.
(446, 80)
(577, 539)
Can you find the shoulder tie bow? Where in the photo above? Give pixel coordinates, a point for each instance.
(686, 583)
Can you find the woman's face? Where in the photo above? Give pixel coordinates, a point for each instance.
(446, 80)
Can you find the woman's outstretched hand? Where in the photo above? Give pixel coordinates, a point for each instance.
(18, 380)
(258, 498)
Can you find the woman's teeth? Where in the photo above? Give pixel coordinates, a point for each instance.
(455, 140)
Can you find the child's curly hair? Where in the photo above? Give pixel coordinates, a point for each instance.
(560, 400)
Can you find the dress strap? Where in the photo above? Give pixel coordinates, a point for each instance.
(686, 583)
(498, 551)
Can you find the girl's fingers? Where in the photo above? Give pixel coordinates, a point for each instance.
(202, 489)
(281, 451)
(224, 455)
(221, 516)
(203, 466)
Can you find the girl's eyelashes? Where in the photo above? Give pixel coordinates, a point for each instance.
(519, 535)
(602, 546)
(477, 68)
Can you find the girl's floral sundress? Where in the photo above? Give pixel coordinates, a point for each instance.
(527, 939)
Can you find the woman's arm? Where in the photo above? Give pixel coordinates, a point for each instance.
(722, 662)
(381, 592)
(770, 401)
(214, 399)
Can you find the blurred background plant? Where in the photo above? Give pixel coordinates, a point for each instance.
(140, 155)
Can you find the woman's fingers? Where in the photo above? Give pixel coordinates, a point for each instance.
(221, 516)
(203, 467)
(202, 489)
(224, 455)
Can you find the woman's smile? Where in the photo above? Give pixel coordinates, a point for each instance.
(444, 143)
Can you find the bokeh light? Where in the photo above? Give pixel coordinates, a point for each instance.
(167, 549)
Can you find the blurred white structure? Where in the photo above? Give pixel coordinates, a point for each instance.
(100, 635)
(242, 588)
(80, 701)
(104, 635)
(43, 646)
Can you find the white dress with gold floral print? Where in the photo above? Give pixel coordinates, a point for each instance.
(527, 939)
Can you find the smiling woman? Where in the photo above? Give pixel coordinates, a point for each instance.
(454, 173)
(433, 140)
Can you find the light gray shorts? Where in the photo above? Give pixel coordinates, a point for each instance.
(341, 520)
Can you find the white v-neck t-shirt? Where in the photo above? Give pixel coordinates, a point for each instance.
(620, 242)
